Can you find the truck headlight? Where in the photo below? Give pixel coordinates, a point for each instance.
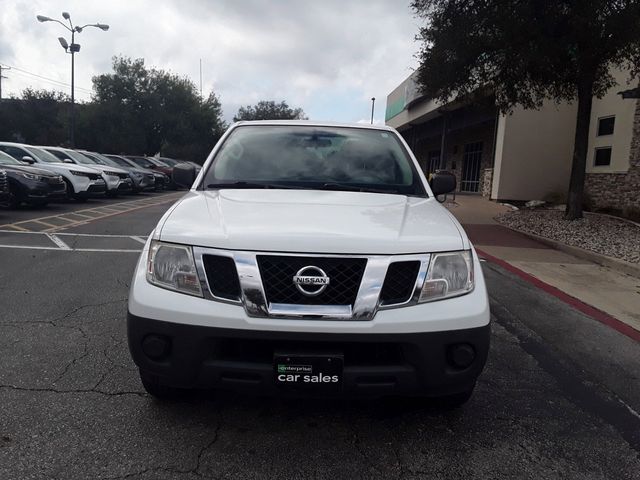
(450, 275)
(172, 266)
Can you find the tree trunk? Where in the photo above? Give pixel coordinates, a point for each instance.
(580, 146)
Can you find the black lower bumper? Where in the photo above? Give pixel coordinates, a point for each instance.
(374, 364)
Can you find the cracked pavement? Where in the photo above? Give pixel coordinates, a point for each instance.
(557, 399)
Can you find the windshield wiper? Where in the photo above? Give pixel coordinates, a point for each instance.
(354, 188)
(243, 184)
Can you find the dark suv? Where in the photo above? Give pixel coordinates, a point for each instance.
(31, 185)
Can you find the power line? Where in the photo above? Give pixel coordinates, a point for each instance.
(52, 80)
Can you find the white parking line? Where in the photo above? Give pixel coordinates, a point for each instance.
(58, 241)
(62, 246)
(108, 250)
(138, 239)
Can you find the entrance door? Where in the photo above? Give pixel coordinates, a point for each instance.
(471, 161)
(433, 161)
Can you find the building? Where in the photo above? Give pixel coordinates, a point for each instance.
(526, 154)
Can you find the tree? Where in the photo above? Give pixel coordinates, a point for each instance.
(269, 110)
(529, 51)
(142, 110)
(38, 117)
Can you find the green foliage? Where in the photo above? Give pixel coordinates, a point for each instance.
(40, 117)
(134, 110)
(525, 51)
(269, 110)
(141, 110)
(528, 51)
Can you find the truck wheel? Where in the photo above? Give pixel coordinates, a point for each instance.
(161, 392)
(454, 401)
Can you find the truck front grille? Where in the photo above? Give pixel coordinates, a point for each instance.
(399, 282)
(277, 272)
(222, 276)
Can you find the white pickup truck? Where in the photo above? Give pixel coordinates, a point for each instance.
(310, 259)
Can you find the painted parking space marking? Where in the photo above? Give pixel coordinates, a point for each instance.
(55, 223)
(71, 242)
(58, 241)
(138, 239)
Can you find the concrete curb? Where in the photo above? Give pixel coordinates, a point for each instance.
(604, 260)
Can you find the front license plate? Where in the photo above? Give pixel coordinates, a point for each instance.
(308, 372)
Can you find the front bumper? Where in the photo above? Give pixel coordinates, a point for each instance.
(125, 185)
(374, 364)
(86, 187)
(34, 190)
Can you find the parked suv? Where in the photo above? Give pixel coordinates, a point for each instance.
(152, 180)
(155, 165)
(117, 179)
(310, 259)
(82, 182)
(139, 179)
(31, 185)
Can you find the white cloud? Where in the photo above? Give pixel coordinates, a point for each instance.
(328, 57)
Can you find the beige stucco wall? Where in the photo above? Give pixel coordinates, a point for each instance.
(620, 141)
(533, 154)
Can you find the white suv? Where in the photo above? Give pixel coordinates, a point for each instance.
(310, 259)
(117, 179)
(82, 182)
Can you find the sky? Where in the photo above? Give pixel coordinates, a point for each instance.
(328, 57)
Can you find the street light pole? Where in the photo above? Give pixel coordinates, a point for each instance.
(72, 134)
(72, 49)
(373, 103)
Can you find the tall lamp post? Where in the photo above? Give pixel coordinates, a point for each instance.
(72, 48)
(373, 104)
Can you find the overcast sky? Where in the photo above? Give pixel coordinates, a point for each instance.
(327, 56)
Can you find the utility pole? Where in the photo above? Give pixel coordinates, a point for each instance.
(201, 80)
(1, 77)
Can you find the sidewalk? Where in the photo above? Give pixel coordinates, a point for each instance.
(614, 293)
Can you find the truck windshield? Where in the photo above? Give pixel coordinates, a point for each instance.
(314, 157)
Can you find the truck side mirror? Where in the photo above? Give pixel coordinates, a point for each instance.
(442, 182)
(184, 175)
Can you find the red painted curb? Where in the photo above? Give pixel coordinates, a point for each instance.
(579, 305)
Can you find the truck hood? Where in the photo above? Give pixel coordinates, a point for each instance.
(312, 221)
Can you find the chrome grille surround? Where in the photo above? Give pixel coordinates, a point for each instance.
(254, 300)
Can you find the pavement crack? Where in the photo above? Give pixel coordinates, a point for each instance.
(82, 356)
(203, 450)
(73, 390)
(82, 307)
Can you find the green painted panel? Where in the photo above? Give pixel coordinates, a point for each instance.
(394, 108)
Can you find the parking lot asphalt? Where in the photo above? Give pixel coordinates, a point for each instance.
(559, 398)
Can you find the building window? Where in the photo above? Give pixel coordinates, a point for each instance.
(605, 125)
(603, 157)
